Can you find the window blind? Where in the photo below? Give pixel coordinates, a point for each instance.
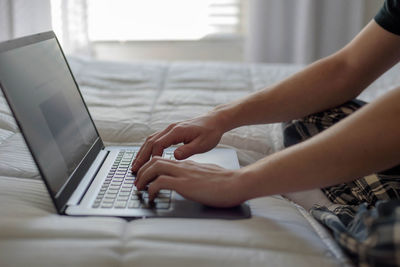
(225, 16)
(125, 20)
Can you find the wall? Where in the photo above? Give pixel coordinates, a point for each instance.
(21, 17)
(220, 49)
(371, 8)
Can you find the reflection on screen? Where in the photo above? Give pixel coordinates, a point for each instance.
(64, 129)
(49, 108)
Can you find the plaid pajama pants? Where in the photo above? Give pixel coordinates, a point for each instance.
(366, 218)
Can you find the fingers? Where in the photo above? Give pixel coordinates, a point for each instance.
(146, 151)
(172, 137)
(188, 150)
(162, 182)
(152, 169)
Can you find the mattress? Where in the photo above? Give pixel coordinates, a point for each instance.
(129, 101)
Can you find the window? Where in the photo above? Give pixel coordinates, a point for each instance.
(152, 29)
(154, 20)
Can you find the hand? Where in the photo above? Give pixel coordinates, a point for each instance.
(208, 184)
(198, 135)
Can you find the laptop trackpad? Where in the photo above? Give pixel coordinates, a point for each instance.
(226, 158)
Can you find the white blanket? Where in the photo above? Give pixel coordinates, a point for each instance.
(128, 102)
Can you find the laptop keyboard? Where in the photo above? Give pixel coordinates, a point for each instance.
(118, 190)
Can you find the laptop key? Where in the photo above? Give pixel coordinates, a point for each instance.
(107, 205)
(163, 195)
(165, 191)
(96, 205)
(133, 204)
(114, 187)
(112, 191)
(146, 205)
(161, 200)
(162, 205)
(120, 204)
(111, 195)
(123, 198)
(135, 197)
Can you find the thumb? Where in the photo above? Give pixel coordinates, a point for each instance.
(187, 150)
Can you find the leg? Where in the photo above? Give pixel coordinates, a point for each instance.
(365, 217)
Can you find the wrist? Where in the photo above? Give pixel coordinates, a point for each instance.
(240, 186)
(224, 116)
(250, 179)
(235, 188)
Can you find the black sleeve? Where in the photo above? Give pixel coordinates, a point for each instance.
(388, 16)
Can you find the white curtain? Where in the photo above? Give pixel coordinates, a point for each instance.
(68, 18)
(23, 17)
(71, 26)
(300, 31)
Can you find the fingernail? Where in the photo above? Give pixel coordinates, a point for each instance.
(179, 153)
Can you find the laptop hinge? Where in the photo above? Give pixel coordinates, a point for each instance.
(88, 178)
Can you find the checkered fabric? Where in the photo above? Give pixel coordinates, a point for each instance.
(365, 219)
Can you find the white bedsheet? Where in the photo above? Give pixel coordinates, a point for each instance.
(128, 102)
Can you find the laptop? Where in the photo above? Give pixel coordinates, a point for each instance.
(82, 176)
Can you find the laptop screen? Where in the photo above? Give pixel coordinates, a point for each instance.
(49, 108)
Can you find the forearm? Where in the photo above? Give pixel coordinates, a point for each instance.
(322, 85)
(364, 143)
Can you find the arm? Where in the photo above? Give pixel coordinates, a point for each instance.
(324, 84)
(363, 143)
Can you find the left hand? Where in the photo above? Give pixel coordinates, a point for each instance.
(208, 184)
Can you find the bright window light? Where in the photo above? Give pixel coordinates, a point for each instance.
(160, 19)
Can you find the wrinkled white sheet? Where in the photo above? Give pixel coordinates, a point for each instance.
(128, 102)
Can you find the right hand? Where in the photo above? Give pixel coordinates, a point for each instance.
(199, 135)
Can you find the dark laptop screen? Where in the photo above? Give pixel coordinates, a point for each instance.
(49, 108)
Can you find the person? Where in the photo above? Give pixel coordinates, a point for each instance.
(361, 144)
(341, 146)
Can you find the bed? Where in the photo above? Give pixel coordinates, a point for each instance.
(129, 101)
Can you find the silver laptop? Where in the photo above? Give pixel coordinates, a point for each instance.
(83, 176)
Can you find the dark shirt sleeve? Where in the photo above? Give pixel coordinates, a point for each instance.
(388, 16)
